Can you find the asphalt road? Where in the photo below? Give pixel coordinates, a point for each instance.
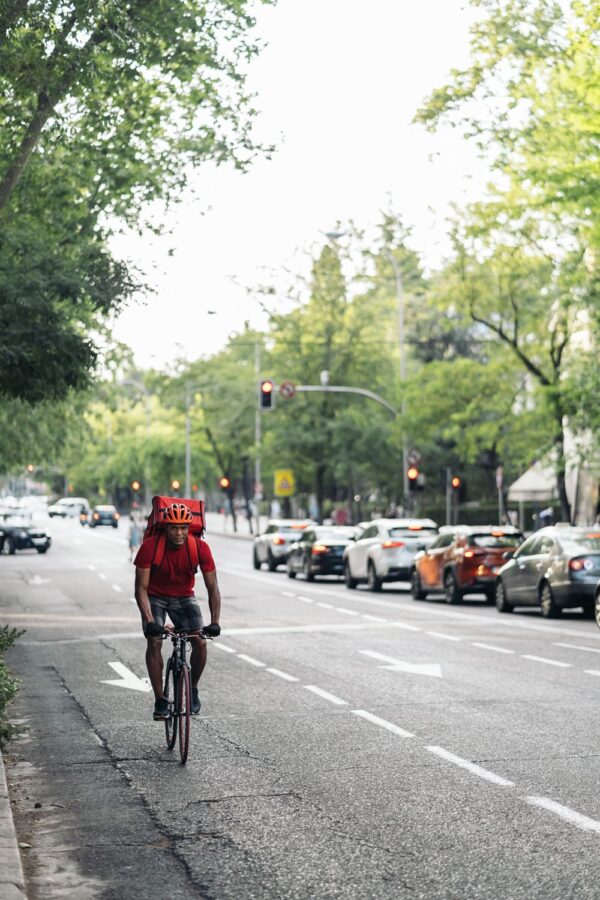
(350, 745)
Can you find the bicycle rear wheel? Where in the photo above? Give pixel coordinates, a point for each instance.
(170, 692)
(184, 707)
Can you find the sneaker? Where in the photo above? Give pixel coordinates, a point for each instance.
(195, 701)
(161, 709)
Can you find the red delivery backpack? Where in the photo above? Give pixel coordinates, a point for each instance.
(155, 527)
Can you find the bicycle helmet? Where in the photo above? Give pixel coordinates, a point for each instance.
(177, 514)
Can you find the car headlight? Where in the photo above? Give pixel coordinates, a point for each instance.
(22, 534)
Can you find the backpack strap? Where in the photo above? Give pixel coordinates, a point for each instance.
(160, 547)
(193, 552)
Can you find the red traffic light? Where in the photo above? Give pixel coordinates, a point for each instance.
(412, 473)
(224, 482)
(266, 387)
(455, 482)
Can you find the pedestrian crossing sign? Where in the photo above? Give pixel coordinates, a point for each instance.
(285, 483)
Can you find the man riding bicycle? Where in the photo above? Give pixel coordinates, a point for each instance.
(168, 589)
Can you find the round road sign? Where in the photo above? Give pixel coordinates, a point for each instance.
(287, 389)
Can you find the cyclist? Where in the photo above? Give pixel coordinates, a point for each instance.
(168, 588)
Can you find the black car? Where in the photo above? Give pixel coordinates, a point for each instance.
(19, 534)
(556, 568)
(320, 551)
(104, 515)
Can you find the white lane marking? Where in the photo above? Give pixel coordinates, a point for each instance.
(223, 647)
(92, 568)
(399, 665)
(325, 695)
(383, 723)
(348, 612)
(445, 637)
(577, 647)
(549, 662)
(492, 647)
(251, 660)
(128, 679)
(117, 588)
(325, 605)
(287, 594)
(37, 579)
(569, 815)
(373, 618)
(405, 626)
(133, 600)
(470, 767)
(305, 599)
(592, 672)
(102, 576)
(283, 675)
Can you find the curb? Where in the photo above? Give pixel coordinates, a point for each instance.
(12, 879)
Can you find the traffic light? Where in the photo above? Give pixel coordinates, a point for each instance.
(30, 468)
(175, 484)
(455, 482)
(266, 395)
(413, 477)
(135, 486)
(224, 482)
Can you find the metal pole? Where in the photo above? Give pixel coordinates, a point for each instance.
(402, 345)
(188, 444)
(448, 498)
(147, 461)
(257, 441)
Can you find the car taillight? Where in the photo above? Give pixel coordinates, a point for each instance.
(387, 545)
(577, 565)
(469, 554)
(96, 515)
(278, 540)
(319, 548)
(117, 516)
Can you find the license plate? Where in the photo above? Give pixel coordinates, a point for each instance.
(38, 540)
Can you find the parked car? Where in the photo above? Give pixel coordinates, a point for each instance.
(271, 547)
(385, 551)
(319, 551)
(68, 506)
(556, 568)
(463, 560)
(104, 515)
(19, 534)
(596, 603)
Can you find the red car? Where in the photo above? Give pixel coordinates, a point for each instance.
(463, 560)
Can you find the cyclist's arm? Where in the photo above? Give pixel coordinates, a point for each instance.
(214, 596)
(142, 580)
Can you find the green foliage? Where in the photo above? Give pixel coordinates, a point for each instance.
(8, 684)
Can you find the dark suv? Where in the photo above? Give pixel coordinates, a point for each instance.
(463, 560)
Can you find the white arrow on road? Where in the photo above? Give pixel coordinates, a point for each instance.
(128, 678)
(399, 665)
(38, 580)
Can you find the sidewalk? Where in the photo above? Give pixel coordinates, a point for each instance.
(216, 523)
(12, 880)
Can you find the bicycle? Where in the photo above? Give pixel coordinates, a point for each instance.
(178, 691)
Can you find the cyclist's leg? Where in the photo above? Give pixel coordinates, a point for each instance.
(154, 660)
(186, 616)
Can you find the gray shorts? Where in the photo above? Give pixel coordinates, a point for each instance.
(184, 612)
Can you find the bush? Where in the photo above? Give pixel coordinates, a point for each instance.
(8, 684)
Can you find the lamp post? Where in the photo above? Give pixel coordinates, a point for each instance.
(401, 342)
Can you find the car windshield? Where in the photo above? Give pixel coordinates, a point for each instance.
(291, 529)
(341, 534)
(581, 543)
(13, 520)
(105, 508)
(491, 541)
(416, 533)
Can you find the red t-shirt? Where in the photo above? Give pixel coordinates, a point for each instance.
(174, 577)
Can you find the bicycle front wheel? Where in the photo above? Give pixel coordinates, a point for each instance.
(184, 708)
(170, 690)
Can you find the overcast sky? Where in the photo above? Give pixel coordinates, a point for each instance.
(338, 86)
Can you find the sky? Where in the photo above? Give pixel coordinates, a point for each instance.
(337, 87)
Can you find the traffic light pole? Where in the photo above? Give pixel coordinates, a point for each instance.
(257, 442)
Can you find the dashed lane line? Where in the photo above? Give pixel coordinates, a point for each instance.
(406, 626)
(445, 637)
(117, 588)
(492, 647)
(470, 767)
(577, 647)
(325, 605)
(102, 576)
(325, 695)
(382, 723)
(549, 662)
(287, 594)
(224, 647)
(569, 815)
(251, 660)
(592, 672)
(283, 675)
(305, 599)
(371, 618)
(348, 612)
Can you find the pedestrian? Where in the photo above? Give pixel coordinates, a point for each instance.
(133, 536)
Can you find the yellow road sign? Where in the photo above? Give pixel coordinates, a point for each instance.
(285, 483)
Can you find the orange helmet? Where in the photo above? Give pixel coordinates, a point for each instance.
(177, 514)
